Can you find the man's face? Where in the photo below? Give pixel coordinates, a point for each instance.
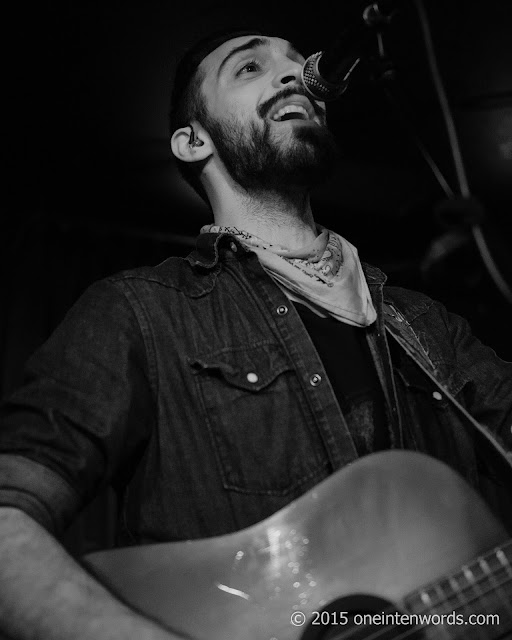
(267, 132)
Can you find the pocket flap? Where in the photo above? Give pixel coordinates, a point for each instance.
(414, 378)
(249, 368)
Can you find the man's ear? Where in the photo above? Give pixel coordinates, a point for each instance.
(186, 144)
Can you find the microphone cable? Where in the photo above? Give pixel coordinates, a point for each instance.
(460, 171)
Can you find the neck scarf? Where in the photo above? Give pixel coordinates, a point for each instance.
(326, 274)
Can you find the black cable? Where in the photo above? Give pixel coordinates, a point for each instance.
(460, 171)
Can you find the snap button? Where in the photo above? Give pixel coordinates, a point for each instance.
(282, 310)
(252, 377)
(233, 247)
(315, 380)
(437, 396)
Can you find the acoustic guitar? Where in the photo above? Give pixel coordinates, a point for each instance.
(395, 546)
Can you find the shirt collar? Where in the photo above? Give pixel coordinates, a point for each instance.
(211, 247)
(374, 276)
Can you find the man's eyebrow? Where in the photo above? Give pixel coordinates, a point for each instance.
(247, 46)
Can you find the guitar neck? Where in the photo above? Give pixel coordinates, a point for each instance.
(477, 595)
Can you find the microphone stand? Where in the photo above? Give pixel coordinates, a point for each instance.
(464, 208)
(471, 210)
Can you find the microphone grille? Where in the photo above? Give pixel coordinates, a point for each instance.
(319, 88)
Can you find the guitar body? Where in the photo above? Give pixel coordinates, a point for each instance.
(383, 526)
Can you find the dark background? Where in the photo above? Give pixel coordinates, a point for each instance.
(91, 188)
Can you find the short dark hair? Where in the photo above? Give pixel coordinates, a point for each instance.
(187, 101)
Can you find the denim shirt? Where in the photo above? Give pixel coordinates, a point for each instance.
(195, 390)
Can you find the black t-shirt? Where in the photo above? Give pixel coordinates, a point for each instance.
(346, 357)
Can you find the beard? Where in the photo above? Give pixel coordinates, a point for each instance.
(260, 160)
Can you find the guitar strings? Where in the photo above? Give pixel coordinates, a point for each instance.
(350, 633)
(504, 566)
(461, 594)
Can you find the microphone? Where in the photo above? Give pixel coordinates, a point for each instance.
(326, 74)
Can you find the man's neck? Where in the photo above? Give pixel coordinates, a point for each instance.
(283, 219)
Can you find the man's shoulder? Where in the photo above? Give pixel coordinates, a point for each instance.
(408, 301)
(163, 272)
(175, 273)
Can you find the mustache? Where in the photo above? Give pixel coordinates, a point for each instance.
(264, 108)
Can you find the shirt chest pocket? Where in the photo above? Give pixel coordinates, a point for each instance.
(258, 421)
(417, 382)
(430, 415)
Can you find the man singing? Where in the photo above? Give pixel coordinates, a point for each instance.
(212, 391)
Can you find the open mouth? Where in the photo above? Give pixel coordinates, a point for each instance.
(291, 112)
(294, 107)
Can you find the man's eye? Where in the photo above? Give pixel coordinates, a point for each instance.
(249, 67)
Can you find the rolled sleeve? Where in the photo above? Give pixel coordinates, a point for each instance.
(38, 491)
(84, 412)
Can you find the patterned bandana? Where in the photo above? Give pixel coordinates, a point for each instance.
(325, 275)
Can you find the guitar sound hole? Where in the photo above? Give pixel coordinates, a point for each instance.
(346, 618)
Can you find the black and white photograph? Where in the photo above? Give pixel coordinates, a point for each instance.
(255, 321)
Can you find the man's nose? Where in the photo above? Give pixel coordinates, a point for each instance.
(289, 72)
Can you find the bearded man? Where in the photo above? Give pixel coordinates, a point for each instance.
(212, 391)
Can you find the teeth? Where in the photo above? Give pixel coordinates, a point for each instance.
(292, 108)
